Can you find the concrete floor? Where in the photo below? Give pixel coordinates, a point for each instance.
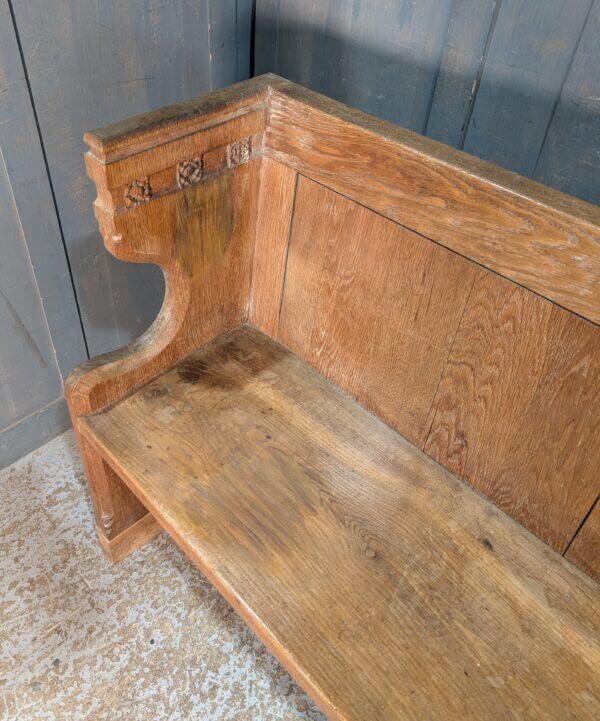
(149, 638)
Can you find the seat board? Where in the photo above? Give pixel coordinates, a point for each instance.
(387, 587)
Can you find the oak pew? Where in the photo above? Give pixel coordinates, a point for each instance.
(368, 408)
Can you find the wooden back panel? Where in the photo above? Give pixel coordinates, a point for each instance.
(456, 300)
(494, 382)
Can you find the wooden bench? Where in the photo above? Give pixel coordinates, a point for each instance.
(373, 351)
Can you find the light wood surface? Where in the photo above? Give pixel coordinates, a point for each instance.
(421, 334)
(275, 207)
(187, 202)
(387, 587)
(538, 237)
(371, 305)
(495, 383)
(516, 412)
(135, 535)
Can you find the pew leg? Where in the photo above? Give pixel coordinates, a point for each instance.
(122, 521)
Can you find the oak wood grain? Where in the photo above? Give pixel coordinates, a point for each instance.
(538, 237)
(517, 409)
(371, 305)
(205, 189)
(135, 535)
(147, 130)
(275, 206)
(387, 587)
(202, 237)
(584, 550)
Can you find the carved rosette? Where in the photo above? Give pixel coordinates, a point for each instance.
(188, 172)
(137, 193)
(238, 152)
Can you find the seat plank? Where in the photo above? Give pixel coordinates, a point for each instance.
(387, 587)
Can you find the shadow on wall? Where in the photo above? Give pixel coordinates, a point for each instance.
(509, 117)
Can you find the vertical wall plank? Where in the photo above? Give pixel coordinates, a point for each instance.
(90, 64)
(486, 74)
(275, 207)
(570, 157)
(32, 197)
(380, 57)
(529, 57)
(223, 42)
(29, 377)
(245, 40)
(265, 36)
(468, 32)
(393, 45)
(40, 333)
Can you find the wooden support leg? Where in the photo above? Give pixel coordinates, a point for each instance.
(122, 522)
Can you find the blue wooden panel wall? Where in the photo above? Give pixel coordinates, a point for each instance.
(516, 82)
(67, 66)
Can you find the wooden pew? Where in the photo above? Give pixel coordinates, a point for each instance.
(368, 409)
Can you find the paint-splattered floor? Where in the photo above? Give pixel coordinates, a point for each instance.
(149, 638)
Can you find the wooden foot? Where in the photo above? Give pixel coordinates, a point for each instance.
(130, 539)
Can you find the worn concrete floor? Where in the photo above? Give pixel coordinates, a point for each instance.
(149, 638)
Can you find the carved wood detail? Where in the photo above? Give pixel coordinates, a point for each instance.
(189, 171)
(137, 193)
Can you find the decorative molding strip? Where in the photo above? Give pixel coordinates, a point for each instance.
(137, 193)
(191, 170)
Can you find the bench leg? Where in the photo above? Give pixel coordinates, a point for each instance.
(122, 521)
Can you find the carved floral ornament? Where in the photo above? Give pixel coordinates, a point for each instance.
(137, 193)
(238, 152)
(188, 172)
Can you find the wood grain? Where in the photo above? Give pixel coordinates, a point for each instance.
(202, 237)
(388, 588)
(371, 305)
(517, 409)
(584, 550)
(140, 132)
(535, 236)
(374, 305)
(275, 205)
(135, 535)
